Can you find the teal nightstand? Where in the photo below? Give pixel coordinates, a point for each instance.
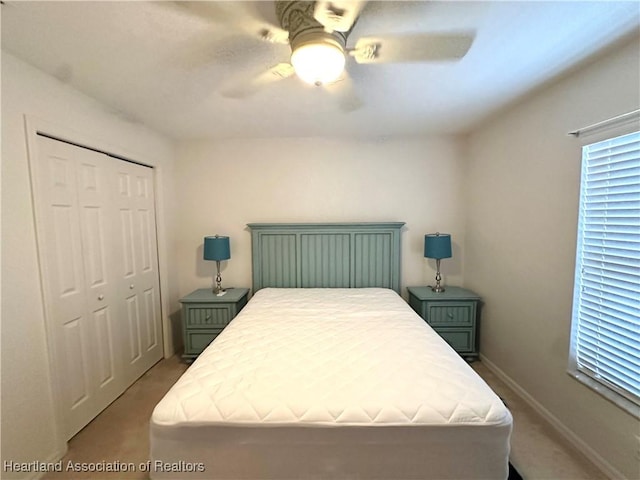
(452, 313)
(204, 316)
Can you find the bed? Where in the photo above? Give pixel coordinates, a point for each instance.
(329, 374)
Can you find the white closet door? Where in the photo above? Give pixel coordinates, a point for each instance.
(138, 276)
(79, 232)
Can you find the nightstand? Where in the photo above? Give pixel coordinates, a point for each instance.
(204, 316)
(452, 313)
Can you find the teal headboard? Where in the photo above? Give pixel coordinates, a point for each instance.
(326, 255)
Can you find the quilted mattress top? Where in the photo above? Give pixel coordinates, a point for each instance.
(329, 357)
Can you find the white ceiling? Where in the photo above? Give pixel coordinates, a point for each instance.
(165, 65)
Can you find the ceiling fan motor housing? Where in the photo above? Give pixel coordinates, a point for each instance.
(297, 18)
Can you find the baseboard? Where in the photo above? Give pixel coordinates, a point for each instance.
(575, 441)
(53, 458)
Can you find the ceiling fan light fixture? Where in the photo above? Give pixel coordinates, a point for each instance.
(318, 62)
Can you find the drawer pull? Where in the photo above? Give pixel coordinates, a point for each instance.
(131, 287)
(100, 297)
(207, 318)
(450, 315)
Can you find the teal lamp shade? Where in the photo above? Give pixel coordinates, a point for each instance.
(437, 245)
(217, 248)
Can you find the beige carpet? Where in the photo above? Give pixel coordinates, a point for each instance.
(120, 434)
(537, 450)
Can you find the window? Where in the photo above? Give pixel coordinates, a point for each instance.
(605, 336)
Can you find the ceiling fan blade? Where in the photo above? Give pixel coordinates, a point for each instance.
(345, 93)
(247, 88)
(423, 47)
(236, 16)
(338, 15)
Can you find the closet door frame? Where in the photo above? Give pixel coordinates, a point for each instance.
(33, 128)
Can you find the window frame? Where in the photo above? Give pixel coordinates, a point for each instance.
(589, 136)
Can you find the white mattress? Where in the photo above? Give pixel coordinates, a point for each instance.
(329, 383)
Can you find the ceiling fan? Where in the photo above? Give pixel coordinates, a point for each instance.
(318, 32)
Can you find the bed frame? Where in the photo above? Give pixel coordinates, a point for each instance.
(347, 255)
(326, 255)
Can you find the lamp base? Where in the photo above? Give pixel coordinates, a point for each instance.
(438, 288)
(217, 288)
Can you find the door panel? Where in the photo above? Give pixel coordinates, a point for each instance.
(94, 233)
(105, 358)
(150, 314)
(61, 249)
(145, 241)
(96, 182)
(139, 283)
(126, 234)
(97, 245)
(78, 379)
(66, 250)
(133, 321)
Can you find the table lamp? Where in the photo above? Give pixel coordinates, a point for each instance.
(437, 245)
(217, 248)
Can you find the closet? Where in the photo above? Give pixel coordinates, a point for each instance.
(95, 223)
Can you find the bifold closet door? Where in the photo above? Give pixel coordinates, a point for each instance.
(138, 278)
(89, 260)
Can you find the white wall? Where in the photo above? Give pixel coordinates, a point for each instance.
(28, 432)
(523, 177)
(222, 186)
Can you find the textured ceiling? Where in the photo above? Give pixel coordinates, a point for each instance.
(167, 64)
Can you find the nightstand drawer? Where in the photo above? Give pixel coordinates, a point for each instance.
(209, 316)
(462, 340)
(451, 314)
(197, 340)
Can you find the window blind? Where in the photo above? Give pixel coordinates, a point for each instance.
(606, 312)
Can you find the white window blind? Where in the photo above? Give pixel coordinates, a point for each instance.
(605, 340)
